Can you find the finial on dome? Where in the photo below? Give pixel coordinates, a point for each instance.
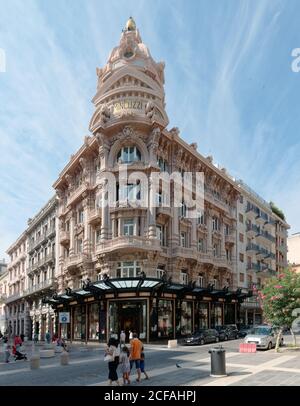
(130, 25)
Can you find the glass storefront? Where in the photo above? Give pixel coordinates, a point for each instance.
(94, 321)
(102, 321)
(79, 323)
(201, 316)
(216, 318)
(128, 316)
(165, 318)
(229, 316)
(183, 318)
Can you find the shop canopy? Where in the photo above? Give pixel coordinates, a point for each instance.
(155, 286)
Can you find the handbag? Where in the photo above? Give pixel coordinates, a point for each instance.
(108, 358)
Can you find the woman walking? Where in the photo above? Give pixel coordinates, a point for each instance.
(113, 360)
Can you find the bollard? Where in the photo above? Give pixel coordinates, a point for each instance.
(172, 343)
(218, 367)
(64, 358)
(35, 361)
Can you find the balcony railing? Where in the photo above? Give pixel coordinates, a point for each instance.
(41, 238)
(230, 238)
(128, 242)
(252, 247)
(12, 298)
(253, 267)
(48, 283)
(266, 235)
(42, 262)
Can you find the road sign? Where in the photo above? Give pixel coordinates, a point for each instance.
(64, 317)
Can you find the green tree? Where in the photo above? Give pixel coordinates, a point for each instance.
(280, 296)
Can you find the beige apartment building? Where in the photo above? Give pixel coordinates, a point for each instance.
(3, 294)
(261, 248)
(16, 308)
(293, 243)
(133, 264)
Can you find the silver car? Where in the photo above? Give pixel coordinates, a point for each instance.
(263, 336)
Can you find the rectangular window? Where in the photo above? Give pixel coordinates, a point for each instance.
(183, 277)
(128, 227)
(227, 229)
(79, 246)
(183, 239)
(201, 245)
(241, 218)
(201, 281)
(160, 234)
(80, 216)
(241, 257)
(160, 271)
(242, 277)
(241, 237)
(128, 269)
(215, 224)
(200, 217)
(241, 199)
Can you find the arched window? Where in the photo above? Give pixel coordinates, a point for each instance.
(129, 154)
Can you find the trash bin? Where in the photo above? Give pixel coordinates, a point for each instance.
(217, 357)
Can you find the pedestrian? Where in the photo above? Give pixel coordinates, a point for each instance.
(6, 349)
(48, 337)
(110, 357)
(122, 338)
(17, 342)
(135, 355)
(125, 364)
(35, 338)
(130, 335)
(22, 337)
(142, 364)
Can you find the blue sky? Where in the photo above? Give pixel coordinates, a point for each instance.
(229, 87)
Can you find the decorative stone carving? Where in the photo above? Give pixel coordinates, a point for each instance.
(105, 113)
(149, 109)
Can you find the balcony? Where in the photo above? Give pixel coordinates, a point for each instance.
(253, 267)
(77, 193)
(230, 239)
(252, 249)
(164, 211)
(252, 230)
(251, 212)
(189, 253)
(262, 253)
(73, 261)
(64, 237)
(269, 224)
(95, 216)
(42, 238)
(265, 237)
(128, 243)
(261, 218)
(49, 283)
(12, 298)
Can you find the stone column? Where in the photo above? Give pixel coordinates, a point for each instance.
(194, 233)
(119, 226)
(40, 318)
(209, 233)
(223, 251)
(105, 219)
(151, 211)
(135, 226)
(72, 236)
(142, 230)
(113, 227)
(87, 229)
(175, 226)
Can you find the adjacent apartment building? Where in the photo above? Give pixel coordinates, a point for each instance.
(294, 251)
(3, 294)
(126, 266)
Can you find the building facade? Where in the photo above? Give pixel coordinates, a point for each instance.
(3, 295)
(140, 263)
(40, 275)
(261, 248)
(294, 251)
(16, 308)
(130, 267)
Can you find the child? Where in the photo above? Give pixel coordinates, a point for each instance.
(125, 364)
(6, 351)
(142, 364)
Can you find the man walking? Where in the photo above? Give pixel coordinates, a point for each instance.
(135, 355)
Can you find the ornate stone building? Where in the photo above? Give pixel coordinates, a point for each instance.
(158, 271)
(40, 275)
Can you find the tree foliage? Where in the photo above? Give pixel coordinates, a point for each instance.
(280, 296)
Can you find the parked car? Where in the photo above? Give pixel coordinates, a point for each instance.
(263, 336)
(202, 337)
(228, 332)
(245, 330)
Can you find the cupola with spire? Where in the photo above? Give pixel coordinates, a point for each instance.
(130, 85)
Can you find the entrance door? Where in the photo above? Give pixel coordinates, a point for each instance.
(128, 316)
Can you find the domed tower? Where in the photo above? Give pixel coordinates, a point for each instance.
(130, 86)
